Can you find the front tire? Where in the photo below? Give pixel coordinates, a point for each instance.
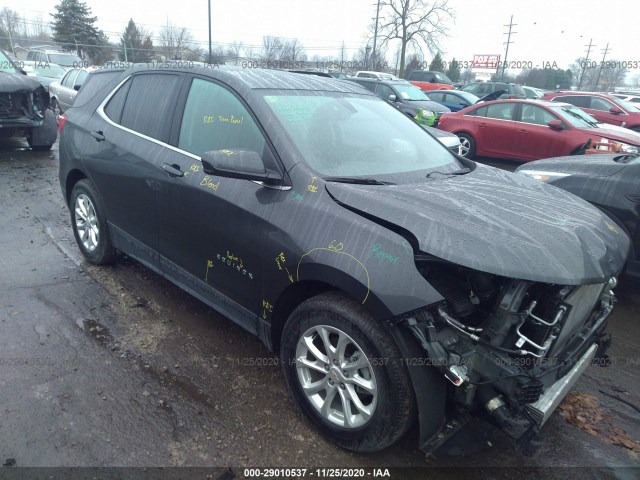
(90, 224)
(55, 107)
(467, 145)
(346, 373)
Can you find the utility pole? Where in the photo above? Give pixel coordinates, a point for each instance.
(375, 36)
(210, 32)
(367, 49)
(604, 51)
(586, 62)
(506, 53)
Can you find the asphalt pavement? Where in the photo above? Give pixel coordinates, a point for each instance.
(116, 367)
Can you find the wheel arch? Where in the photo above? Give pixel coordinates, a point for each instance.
(299, 291)
(73, 177)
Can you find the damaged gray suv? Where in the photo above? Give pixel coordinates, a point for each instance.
(24, 106)
(399, 283)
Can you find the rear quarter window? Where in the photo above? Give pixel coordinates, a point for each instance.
(93, 86)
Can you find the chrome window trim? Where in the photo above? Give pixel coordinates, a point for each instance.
(106, 118)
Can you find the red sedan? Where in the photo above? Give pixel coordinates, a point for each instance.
(526, 130)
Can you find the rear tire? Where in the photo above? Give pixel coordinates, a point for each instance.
(346, 373)
(467, 145)
(90, 224)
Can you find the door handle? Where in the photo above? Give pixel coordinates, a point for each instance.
(173, 170)
(98, 136)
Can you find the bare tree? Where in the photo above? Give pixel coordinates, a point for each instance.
(293, 51)
(361, 57)
(612, 75)
(635, 81)
(175, 41)
(415, 60)
(414, 22)
(233, 50)
(39, 29)
(10, 22)
(271, 49)
(467, 75)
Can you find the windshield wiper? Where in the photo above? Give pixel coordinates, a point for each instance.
(588, 122)
(357, 180)
(462, 171)
(626, 158)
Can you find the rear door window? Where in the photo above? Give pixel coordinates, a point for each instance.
(215, 119)
(150, 104)
(581, 101)
(501, 111)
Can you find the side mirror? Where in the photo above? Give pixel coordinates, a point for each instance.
(77, 87)
(615, 110)
(555, 125)
(392, 98)
(242, 164)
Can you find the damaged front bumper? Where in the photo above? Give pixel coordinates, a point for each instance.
(511, 365)
(23, 109)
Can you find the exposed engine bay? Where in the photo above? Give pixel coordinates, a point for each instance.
(24, 106)
(510, 348)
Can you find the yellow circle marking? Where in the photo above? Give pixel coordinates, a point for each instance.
(339, 253)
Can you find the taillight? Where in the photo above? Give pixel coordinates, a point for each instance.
(61, 121)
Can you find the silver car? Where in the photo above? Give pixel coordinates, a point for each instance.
(63, 92)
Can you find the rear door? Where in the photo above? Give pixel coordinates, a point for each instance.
(496, 130)
(129, 143)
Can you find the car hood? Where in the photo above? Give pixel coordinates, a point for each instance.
(16, 82)
(615, 133)
(429, 105)
(498, 222)
(601, 165)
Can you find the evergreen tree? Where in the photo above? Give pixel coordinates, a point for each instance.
(436, 64)
(137, 43)
(146, 55)
(74, 27)
(454, 71)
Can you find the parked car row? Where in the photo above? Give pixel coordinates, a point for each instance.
(525, 130)
(406, 97)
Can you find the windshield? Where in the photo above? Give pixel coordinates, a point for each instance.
(469, 97)
(629, 106)
(576, 117)
(410, 92)
(342, 135)
(6, 64)
(65, 59)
